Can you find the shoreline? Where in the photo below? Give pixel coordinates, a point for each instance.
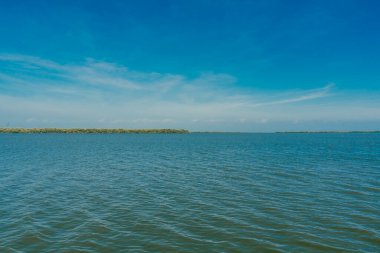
(330, 132)
(157, 131)
(91, 131)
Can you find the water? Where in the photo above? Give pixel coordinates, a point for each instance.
(190, 193)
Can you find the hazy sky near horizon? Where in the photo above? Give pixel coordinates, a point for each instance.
(268, 65)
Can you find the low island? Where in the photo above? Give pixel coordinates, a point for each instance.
(330, 132)
(91, 131)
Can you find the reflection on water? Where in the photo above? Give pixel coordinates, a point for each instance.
(190, 193)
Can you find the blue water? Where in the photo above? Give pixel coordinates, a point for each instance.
(190, 193)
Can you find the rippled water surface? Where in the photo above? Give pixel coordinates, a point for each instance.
(190, 193)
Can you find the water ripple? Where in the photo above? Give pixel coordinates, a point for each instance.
(190, 193)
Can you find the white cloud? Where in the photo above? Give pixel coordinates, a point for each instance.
(309, 95)
(39, 92)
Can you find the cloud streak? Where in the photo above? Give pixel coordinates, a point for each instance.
(33, 72)
(40, 92)
(309, 95)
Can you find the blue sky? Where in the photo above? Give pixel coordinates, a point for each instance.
(200, 65)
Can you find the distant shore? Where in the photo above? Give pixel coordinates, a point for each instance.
(151, 131)
(327, 132)
(91, 131)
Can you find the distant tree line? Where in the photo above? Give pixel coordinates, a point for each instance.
(93, 131)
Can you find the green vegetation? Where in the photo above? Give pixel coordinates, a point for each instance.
(92, 131)
(142, 131)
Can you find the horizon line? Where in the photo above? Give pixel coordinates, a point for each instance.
(162, 130)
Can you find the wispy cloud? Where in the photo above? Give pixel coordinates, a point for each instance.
(39, 92)
(90, 73)
(34, 73)
(308, 95)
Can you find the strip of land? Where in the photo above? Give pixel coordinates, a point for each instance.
(147, 131)
(326, 132)
(91, 131)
